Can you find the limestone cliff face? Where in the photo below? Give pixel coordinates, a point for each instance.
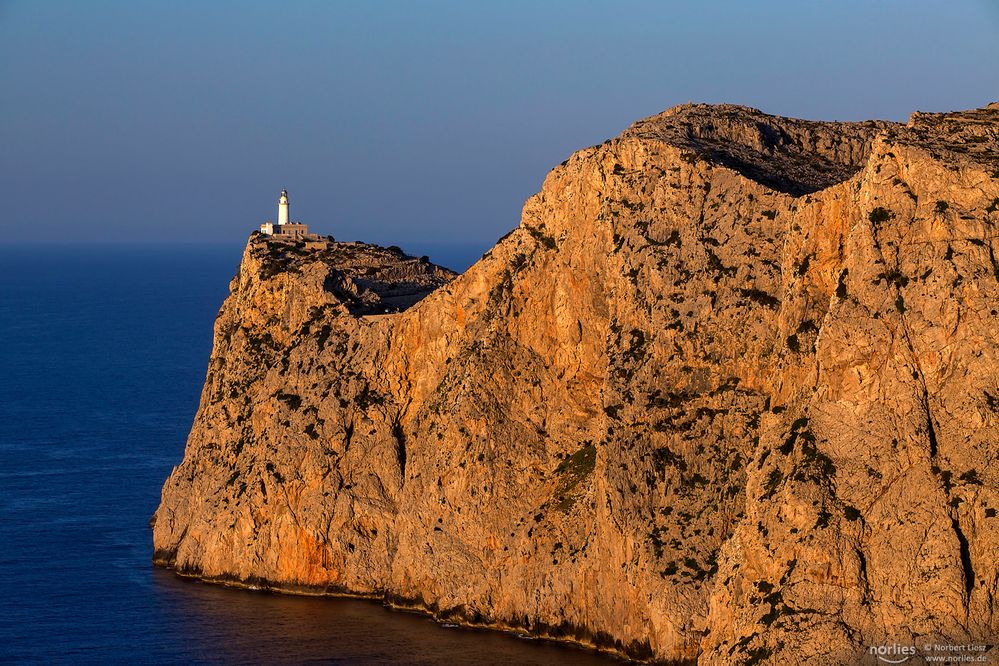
(727, 394)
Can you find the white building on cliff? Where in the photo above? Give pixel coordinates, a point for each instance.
(285, 227)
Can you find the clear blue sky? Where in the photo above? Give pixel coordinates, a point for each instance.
(411, 122)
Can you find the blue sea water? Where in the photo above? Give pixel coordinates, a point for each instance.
(103, 351)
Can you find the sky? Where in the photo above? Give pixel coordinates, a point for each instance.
(419, 124)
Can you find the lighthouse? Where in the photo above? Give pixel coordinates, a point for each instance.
(283, 208)
(285, 228)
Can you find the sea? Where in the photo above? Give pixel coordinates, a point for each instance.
(103, 351)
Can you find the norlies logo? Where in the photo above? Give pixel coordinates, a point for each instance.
(932, 652)
(893, 654)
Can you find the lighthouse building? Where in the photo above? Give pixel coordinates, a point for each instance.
(285, 228)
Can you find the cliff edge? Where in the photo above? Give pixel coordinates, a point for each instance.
(727, 394)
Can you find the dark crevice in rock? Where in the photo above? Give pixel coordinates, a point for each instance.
(969, 572)
(348, 434)
(400, 448)
(863, 571)
(931, 433)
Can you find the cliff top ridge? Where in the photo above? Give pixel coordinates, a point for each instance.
(803, 156)
(368, 279)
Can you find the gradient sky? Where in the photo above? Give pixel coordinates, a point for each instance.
(414, 123)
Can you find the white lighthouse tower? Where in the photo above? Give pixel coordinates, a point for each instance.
(285, 228)
(283, 208)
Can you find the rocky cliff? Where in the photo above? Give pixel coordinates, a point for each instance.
(727, 394)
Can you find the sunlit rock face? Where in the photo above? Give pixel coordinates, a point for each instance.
(729, 393)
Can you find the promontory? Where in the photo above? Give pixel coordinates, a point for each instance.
(728, 394)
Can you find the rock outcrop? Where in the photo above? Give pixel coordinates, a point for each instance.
(727, 394)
